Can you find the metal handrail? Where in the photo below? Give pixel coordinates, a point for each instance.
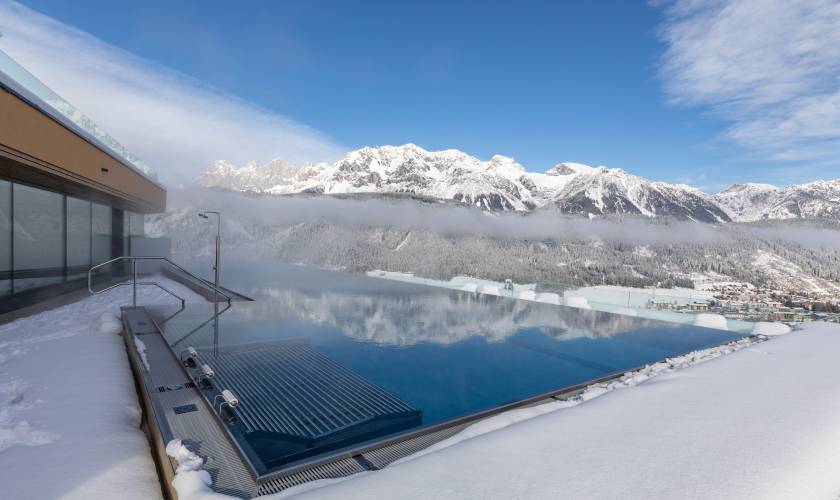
(134, 281)
(199, 327)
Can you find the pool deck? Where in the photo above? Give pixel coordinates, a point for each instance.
(167, 387)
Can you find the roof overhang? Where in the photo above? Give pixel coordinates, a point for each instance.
(37, 148)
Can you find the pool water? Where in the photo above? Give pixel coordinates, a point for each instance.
(322, 361)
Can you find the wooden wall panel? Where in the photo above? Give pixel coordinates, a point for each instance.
(37, 147)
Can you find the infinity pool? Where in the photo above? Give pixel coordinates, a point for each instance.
(323, 361)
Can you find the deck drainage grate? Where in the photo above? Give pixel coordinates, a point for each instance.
(364, 462)
(179, 410)
(176, 387)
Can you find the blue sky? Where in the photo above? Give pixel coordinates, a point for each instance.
(602, 83)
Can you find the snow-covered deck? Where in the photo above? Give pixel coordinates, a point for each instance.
(69, 414)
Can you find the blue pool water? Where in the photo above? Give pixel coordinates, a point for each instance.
(321, 360)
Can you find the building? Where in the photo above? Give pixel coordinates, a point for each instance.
(698, 306)
(70, 195)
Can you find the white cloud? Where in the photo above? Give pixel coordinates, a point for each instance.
(769, 67)
(175, 123)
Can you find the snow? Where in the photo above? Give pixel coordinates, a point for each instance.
(455, 175)
(463, 283)
(579, 302)
(69, 414)
(758, 423)
(191, 481)
(752, 202)
(549, 298)
(710, 320)
(769, 329)
(141, 350)
(639, 297)
(781, 270)
(187, 460)
(574, 187)
(613, 299)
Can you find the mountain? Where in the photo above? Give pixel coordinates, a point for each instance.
(752, 202)
(551, 250)
(604, 191)
(500, 184)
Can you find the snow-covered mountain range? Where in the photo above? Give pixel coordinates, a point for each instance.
(749, 202)
(502, 184)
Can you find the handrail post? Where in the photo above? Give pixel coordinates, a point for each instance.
(134, 266)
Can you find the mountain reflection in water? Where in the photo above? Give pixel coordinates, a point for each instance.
(441, 317)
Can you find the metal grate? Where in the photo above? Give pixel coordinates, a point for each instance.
(294, 390)
(200, 432)
(382, 457)
(332, 470)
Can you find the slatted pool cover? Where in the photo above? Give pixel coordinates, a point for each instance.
(295, 402)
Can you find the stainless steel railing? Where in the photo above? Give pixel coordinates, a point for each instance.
(134, 281)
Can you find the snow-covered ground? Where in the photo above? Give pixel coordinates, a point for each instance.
(69, 414)
(638, 297)
(614, 299)
(759, 423)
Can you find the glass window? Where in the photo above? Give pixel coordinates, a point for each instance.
(38, 237)
(5, 238)
(78, 237)
(137, 224)
(125, 233)
(135, 228)
(101, 226)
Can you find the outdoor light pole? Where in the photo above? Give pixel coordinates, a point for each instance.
(218, 247)
(215, 277)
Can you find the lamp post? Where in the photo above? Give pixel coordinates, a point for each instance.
(204, 215)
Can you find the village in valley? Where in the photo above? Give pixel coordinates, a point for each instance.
(743, 301)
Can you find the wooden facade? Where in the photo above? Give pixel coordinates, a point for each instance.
(37, 149)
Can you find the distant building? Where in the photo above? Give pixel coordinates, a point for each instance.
(698, 306)
(661, 304)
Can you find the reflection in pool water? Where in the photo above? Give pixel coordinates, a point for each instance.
(425, 355)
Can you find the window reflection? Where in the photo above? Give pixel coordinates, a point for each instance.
(101, 233)
(78, 237)
(126, 235)
(5, 237)
(48, 237)
(136, 223)
(38, 248)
